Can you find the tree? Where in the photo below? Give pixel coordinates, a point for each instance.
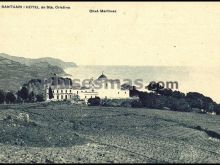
(198, 100)
(10, 97)
(165, 92)
(23, 93)
(179, 105)
(148, 100)
(31, 97)
(153, 86)
(194, 95)
(178, 94)
(217, 109)
(50, 93)
(133, 92)
(2, 96)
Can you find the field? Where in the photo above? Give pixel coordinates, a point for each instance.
(65, 133)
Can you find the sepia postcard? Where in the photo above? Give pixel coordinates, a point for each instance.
(109, 82)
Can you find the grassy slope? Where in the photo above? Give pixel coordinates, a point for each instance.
(14, 74)
(104, 134)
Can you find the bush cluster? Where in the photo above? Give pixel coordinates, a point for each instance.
(161, 98)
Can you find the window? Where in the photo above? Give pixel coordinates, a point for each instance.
(70, 90)
(70, 96)
(118, 92)
(57, 91)
(77, 92)
(61, 91)
(61, 96)
(85, 96)
(66, 97)
(66, 91)
(57, 97)
(125, 92)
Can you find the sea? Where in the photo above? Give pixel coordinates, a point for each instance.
(205, 80)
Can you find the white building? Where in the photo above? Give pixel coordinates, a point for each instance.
(102, 87)
(61, 93)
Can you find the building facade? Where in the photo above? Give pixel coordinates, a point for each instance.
(108, 89)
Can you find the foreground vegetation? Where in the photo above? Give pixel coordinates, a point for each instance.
(63, 132)
(163, 99)
(157, 98)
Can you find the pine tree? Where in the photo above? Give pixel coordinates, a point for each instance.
(23, 93)
(50, 93)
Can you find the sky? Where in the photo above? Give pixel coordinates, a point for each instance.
(141, 33)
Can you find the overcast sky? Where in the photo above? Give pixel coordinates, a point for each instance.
(169, 33)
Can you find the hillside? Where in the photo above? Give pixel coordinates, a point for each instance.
(49, 60)
(14, 74)
(64, 133)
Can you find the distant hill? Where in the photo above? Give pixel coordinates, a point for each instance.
(49, 60)
(14, 74)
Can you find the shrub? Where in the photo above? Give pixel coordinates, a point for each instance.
(23, 93)
(31, 97)
(134, 92)
(195, 103)
(180, 105)
(39, 97)
(2, 96)
(208, 104)
(209, 107)
(111, 102)
(10, 97)
(94, 101)
(116, 102)
(161, 102)
(152, 100)
(148, 99)
(126, 103)
(136, 104)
